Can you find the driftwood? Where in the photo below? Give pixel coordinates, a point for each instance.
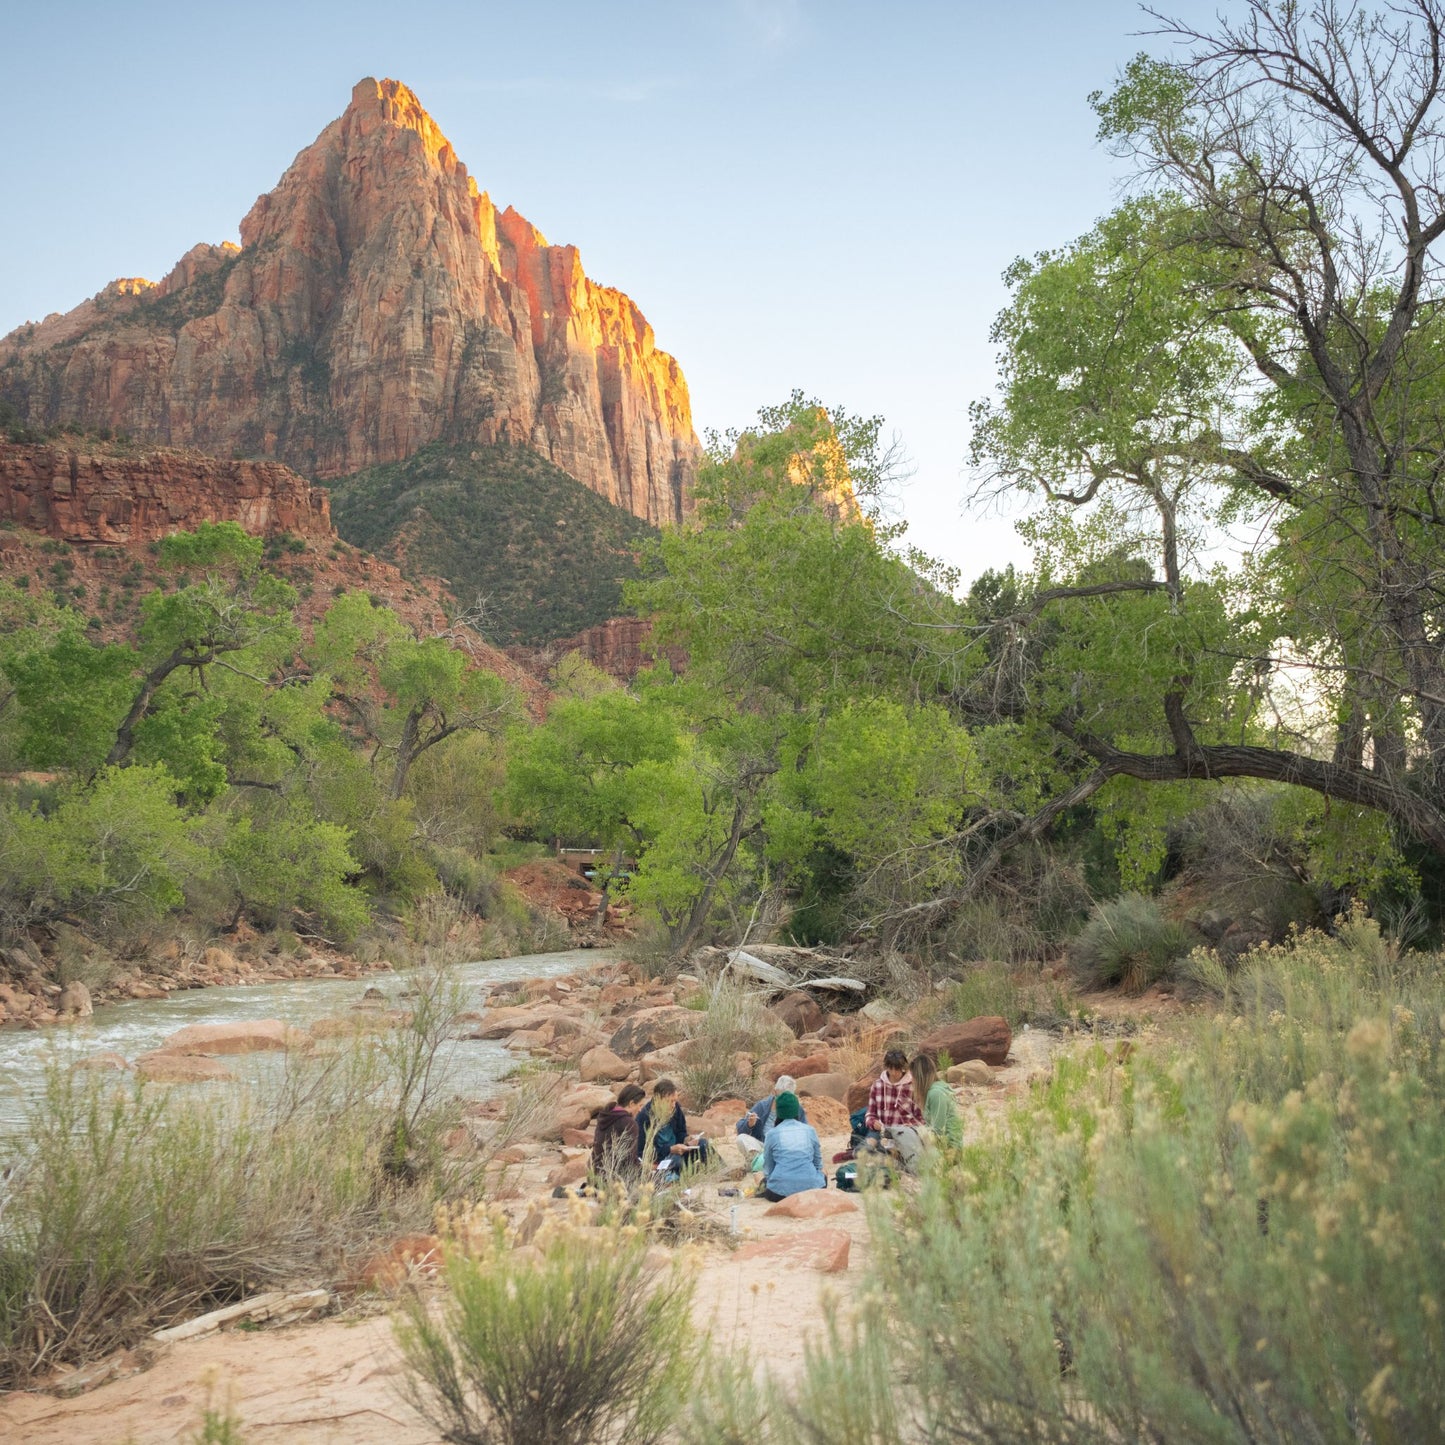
(278, 1307)
(781, 969)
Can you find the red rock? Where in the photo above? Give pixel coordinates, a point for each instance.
(411, 1254)
(652, 1029)
(108, 1059)
(74, 1000)
(987, 1038)
(813, 1204)
(164, 1067)
(857, 1095)
(574, 1171)
(827, 1115)
(825, 1250)
(378, 302)
(249, 1037)
(577, 1138)
(601, 1065)
(801, 1012)
(827, 1086)
(799, 1068)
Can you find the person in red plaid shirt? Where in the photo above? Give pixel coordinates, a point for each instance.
(890, 1100)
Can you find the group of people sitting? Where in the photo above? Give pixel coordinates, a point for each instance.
(636, 1134)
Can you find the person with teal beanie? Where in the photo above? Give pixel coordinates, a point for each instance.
(792, 1153)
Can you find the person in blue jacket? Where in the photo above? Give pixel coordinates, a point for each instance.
(662, 1138)
(753, 1127)
(792, 1155)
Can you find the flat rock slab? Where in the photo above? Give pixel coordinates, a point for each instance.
(251, 1037)
(812, 1204)
(987, 1038)
(824, 1250)
(824, 1086)
(164, 1067)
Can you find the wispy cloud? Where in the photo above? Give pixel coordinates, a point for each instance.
(773, 23)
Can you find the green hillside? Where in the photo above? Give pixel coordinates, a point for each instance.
(547, 555)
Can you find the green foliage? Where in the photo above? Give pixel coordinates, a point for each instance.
(279, 859)
(986, 990)
(1230, 1240)
(1128, 943)
(71, 696)
(118, 846)
(548, 556)
(577, 1346)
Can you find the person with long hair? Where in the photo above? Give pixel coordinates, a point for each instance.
(940, 1105)
(663, 1140)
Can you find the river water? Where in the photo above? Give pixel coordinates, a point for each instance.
(135, 1026)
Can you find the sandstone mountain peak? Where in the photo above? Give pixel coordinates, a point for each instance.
(378, 302)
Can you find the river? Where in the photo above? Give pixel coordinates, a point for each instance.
(136, 1026)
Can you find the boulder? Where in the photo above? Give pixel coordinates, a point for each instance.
(74, 1001)
(825, 1250)
(578, 1138)
(857, 1095)
(498, 1023)
(249, 1037)
(651, 1029)
(574, 1171)
(879, 1011)
(801, 1012)
(109, 1059)
(661, 1062)
(987, 1038)
(164, 1067)
(602, 1066)
(827, 1086)
(799, 1066)
(813, 1204)
(973, 1072)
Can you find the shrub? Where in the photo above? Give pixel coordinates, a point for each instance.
(1129, 943)
(576, 1346)
(987, 989)
(737, 1022)
(1233, 1240)
(127, 1210)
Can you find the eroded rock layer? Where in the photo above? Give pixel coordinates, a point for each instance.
(378, 302)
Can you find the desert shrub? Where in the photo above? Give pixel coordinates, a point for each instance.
(1234, 1239)
(986, 989)
(737, 1022)
(1127, 942)
(576, 1346)
(128, 1209)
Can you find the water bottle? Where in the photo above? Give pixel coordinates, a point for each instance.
(733, 1220)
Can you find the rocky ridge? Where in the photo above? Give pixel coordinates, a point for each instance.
(378, 302)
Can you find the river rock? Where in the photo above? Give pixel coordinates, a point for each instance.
(812, 1204)
(247, 1037)
(827, 1086)
(74, 1000)
(652, 1029)
(987, 1038)
(602, 1066)
(801, 1012)
(108, 1059)
(164, 1067)
(973, 1071)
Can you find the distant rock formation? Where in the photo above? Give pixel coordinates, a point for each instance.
(378, 302)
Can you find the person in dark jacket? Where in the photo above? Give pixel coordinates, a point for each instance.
(753, 1127)
(662, 1138)
(615, 1136)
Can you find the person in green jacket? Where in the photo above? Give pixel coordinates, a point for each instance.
(940, 1106)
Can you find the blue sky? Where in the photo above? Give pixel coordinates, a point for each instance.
(798, 193)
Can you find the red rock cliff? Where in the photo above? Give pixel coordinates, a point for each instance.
(378, 302)
(81, 496)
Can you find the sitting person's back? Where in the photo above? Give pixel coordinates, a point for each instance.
(792, 1153)
(614, 1138)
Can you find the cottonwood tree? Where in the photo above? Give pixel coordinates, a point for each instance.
(1255, 339)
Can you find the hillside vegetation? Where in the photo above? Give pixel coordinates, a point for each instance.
(545, 556)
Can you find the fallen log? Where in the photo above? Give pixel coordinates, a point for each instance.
(278, 1307)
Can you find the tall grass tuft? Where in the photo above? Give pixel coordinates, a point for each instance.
(736, 1024)
(1129, 943)
(1230, 1239)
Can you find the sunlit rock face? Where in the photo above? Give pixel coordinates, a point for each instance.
(378, 301)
